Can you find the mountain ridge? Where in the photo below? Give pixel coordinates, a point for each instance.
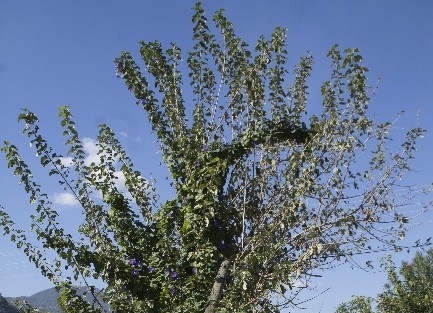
(6, 307)
(45, 301)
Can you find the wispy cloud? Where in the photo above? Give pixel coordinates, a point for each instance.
(65, 198)
(134, 138)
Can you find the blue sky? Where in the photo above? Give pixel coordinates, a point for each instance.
(55, 53)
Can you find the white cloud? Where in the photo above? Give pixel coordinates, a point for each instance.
(65, 198)
(89, 146)
(120, 180)
(66, 161)
(91, 150)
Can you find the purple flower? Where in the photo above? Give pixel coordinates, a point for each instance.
(172, 290)
(214, 223)
(197, 164)
(205, 147)
(134, 272)
(173, 275)
(255, 143)
(151, 269)
(133, 262)
(221, 246)
(194, 270)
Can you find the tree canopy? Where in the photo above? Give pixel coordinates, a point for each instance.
(409, 289)
(266, 193)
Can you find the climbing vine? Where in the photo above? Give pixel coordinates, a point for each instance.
(264, 190)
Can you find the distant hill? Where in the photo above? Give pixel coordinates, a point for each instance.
(6, 307)
(45, 301)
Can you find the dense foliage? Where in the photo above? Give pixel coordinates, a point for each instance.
(358, 304)
(409, 289)
(266, 193)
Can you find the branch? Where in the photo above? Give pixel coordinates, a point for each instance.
(218, 286)
(269, 133)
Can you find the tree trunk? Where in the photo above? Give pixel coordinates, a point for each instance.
(218, 286)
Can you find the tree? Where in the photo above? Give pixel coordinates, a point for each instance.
(266, 194)
(408, 290)
(358, 304)
(411, 289)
